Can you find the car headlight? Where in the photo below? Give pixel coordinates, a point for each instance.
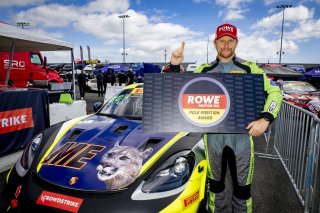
(171, 176)
(30, 151)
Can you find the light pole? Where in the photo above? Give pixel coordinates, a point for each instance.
(22, 24)
(282, 7)
(124, 40)
(165, 56)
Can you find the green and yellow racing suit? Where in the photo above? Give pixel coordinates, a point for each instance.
(235, 150)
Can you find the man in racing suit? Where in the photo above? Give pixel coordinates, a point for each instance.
(236, 150)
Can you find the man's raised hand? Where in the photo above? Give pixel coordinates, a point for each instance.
(177, 55)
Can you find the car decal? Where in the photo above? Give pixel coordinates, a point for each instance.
(72, 155)
(59, 201)
(137, 91)
(190, 199)
(66, 126)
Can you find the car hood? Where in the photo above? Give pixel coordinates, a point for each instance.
(93, 152)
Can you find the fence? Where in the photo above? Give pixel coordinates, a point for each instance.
(297, 143)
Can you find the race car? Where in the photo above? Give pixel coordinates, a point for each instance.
(298, 93)
(104, 162)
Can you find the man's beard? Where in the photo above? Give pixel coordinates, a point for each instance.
(227, 55)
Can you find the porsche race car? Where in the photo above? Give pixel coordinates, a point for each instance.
(104, 162)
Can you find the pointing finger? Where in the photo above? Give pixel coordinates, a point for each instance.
(182, 46)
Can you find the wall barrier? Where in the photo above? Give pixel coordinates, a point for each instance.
(61, 112)
(297, 143)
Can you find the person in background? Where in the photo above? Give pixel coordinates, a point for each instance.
(82, 83)
(138, 78)
(99, 78)
(112, 77)
(236, 150)
(122, 78)
(130, 77)
(106, 80)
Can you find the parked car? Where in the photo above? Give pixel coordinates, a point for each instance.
(105, 162)
(314, 107)
(92, 84)
(89, 70)
(298, 92)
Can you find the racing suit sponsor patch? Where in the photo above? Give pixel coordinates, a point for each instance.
(272, 107)
(273, 83)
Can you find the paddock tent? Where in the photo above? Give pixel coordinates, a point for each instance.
(313, 77)
(281, 72)
(314, 73)
(17, 39)
(14, 39)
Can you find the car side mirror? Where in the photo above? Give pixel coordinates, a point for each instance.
(96, 106)
(44, 62)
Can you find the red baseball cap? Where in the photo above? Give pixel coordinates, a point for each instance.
(226, 30)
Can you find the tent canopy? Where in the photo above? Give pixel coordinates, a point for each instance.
(28, 40)
(314, 73)
(281, 72)
(14, 39)
(116, 67)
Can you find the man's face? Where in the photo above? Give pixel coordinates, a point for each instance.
(225, 47)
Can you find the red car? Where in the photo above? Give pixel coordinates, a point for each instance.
(299, 93)
(314, 107)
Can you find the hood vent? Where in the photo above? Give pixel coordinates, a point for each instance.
(120, 128)
(151, 142)
(75, 134)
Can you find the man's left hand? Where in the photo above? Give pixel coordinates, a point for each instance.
(258, 127)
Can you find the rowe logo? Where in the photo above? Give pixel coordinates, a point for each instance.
(204, 108)
(68, 203)
(204, 101)
(14, 120)
(226, 28)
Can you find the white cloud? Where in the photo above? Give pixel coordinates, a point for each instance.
(291, 15)
(305, 30)
(59, 15)
(233, 9)
(235, 14)
(161, 15)
(256, 47)
(267, 2)
(53, 15)
(106, 6)
(141, 35)
(20, 3)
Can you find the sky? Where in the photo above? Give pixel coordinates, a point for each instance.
(155, 28)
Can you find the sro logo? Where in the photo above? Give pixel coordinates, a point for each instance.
(15, 63)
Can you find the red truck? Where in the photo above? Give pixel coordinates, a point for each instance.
(27, 67)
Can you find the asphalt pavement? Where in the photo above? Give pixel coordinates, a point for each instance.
(272, 191)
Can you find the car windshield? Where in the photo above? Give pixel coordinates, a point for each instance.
(127, 103)
(299, 88)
